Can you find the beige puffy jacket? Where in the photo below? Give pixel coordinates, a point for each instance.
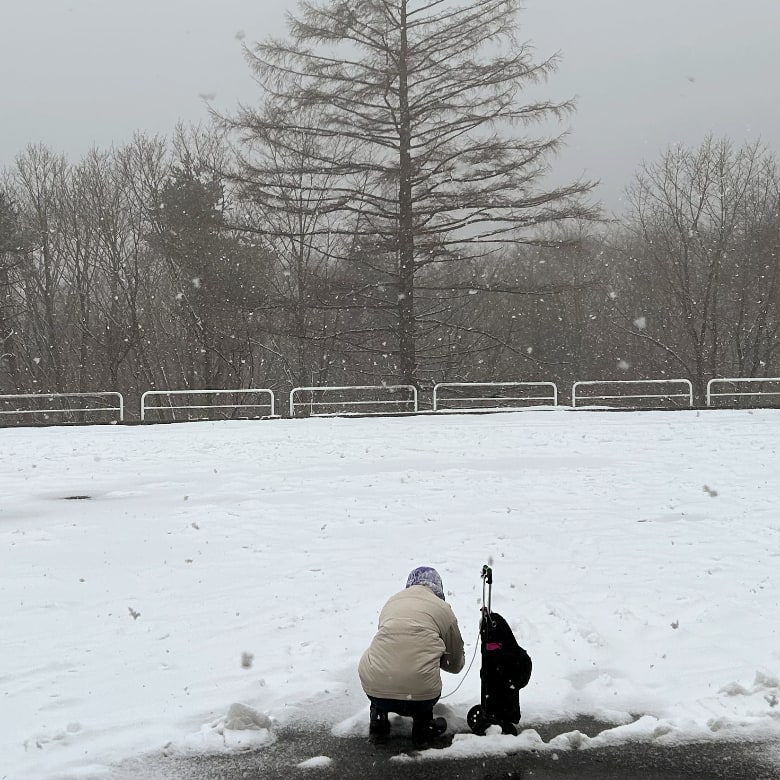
(418, 634)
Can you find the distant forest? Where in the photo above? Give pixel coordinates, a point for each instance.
(382, 215)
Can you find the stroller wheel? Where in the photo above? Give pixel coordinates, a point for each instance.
(477, 723)
(508, 728)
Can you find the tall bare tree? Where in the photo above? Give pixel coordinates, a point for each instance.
(439, 164)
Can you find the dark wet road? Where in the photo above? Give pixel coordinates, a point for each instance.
(358, 759)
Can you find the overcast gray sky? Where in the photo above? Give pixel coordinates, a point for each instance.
(647, 73)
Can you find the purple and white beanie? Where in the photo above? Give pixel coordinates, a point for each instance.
(425, 575)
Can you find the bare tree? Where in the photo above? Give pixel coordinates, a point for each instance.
(41, 179)
(699, 279)
(753, 306)
(438, 165)
(11, 251)
(537, 313)
(285, 212)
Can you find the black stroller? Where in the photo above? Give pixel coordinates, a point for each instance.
(506, 668)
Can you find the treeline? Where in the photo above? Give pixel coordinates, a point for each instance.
(140, 268)
(383, 215)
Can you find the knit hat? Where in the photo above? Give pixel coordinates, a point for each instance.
(425, 575)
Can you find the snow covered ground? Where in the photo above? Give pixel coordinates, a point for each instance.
(636, 556)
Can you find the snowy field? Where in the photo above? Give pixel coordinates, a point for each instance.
(636, 556)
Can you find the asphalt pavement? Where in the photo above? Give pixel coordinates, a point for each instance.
(354, 758)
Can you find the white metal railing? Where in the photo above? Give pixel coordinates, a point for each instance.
(344, 403)
(688, 394)
(740, 393)
(550, 397)
(270, 404)
(327, 400)
(52, 398)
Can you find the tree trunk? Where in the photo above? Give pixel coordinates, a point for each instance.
(406, 318)
(7, 331)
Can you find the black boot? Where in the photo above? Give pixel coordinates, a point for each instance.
(426, 728)
(379, 724)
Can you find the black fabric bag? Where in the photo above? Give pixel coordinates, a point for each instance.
(506, 668)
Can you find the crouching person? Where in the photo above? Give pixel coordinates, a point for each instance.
(418, 635)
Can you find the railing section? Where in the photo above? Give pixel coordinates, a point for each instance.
(737, 390)
(616, 390)
(491, 396)
(327, 401)
(253, 403)
(59, 408)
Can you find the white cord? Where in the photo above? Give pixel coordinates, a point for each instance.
(466, 673)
